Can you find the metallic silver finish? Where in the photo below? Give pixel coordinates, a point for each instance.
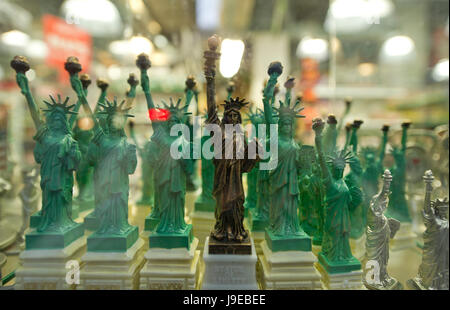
(433, 271)
(378, 232)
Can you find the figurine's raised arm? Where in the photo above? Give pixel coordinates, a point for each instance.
(131, 93)
(103, 85)
(274, 71)
(230, 90)
(384, 140)
(318, 126)
(428, 178)
(190, 91)
(210, 72)
(73, 66)
(348, 105)
(348, 131)
(143, 63)
(289, 84)
(405, 127)
(330, 135)
(354, 137)
(85, 81)
(21, 66)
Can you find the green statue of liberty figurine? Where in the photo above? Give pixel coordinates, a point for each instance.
(258, 184)
(336, 255)
(372, 169)
(260, 215)
(114, 159)
(170, 185)
(284, 232)
(398, 206)
(147, 197)
(82, 133)
(353, 181)
(59, 156)
(311, 197)
(206, 201)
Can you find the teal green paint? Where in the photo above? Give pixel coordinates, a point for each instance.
(334, 267)
(112, 243)
(35, 240)
(288, 243)
(172, 241)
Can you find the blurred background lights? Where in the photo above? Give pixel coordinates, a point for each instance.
(230, 61)
(208, 14)
(312, 48)
(351, 16)
(440, 71)
(15, 38)
(140, 45)
(397, 46)
(366, 69)
(98, 17)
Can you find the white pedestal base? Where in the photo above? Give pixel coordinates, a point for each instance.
(171, 269)
(405, 238)
(46, 269)
(203, 223)
(112, 270)
(341, 281)
(358, 247)
(229, 271)
(258, 237)
(292, 270)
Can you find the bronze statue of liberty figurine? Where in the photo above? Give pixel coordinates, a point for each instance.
(228, 187)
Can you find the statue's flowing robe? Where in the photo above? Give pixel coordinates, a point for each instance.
(114, 159)
(339, 199)
(169, 181)
(353, 181)
(147, 176)
(85, 172)
(433, 270)
(378, 233)
(284, 191)
(398, 206)
(311, 212)
(59, 157)
(369, 185)
(228, 188)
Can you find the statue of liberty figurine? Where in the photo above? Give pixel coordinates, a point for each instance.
(173, 169)
(311, 213)
(59, 156)
(114, 159)
(398, 206)
(258, 184)
(147, 198)
(433, 271)
(353, 181)
(372, 169)
(379, 231)
(284, 190)
(82, 133)
(336, 255)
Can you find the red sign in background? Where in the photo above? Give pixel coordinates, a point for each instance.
(64, 40)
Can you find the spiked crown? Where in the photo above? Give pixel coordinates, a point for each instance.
(112, 108)
(256, 117)
(176, 110)
(288, 110)
(340, 158)
(58, 106)
(234, 104)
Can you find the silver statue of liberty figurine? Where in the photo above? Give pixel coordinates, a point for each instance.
(433, 271)
(378, 232)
